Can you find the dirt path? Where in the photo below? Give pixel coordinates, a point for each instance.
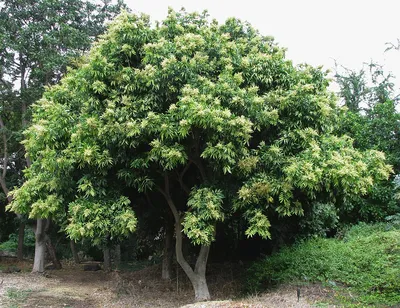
(72, 287)
(60, 290)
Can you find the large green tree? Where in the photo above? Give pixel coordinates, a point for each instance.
(37, 41)
(212, 118)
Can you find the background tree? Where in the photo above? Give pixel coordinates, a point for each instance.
(37, 41)
(211, 118)
(9, 176)
(373, 120)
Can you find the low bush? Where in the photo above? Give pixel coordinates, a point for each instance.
(366, 259)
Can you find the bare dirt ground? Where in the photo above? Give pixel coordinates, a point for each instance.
(73, 287)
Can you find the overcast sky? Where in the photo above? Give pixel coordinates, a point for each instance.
(314, 31)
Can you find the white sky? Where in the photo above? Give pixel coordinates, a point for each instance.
(314, 31)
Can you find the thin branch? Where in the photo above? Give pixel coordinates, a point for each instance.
(166, 184)
(180, 178)
(161, 191)
(166, 193)
(199, 166)
(197, 159)
(185, 169)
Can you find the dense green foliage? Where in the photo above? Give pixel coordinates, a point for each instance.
(366, 260)
(209, 121)
(373, 121)
(213, 113)
(38, 39)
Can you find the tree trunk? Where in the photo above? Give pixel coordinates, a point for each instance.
(40, 247)
(200, 288)
(21, 236)
(197, 276)
(52, 253)
(107, 259)
(117, 256)
(168, 251)
(74, 252)
(50, 248)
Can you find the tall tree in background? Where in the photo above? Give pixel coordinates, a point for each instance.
(363, 89)
(38, 39)
(10, 154)
(373, 120)
(210, 118)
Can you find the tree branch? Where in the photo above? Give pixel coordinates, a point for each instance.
(178, 229)
(5, 162)
(166, 193)
(197, 160)
(5, 158)
(180, 178)
(199, 166)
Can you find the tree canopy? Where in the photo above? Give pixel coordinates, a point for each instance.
(38, 39)
(212, 117)
(373, 121)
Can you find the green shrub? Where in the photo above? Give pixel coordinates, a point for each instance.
(319, 220)
(11, 244)
(367, 260)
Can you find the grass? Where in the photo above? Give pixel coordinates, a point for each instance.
(17, 296)
(363, 267)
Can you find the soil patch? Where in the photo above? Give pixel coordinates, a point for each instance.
(73, 287)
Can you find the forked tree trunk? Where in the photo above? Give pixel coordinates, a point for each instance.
(40, 247)
(74, 252)
(197, 276)
(107, 259)
(168, 251)
(21, 237)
